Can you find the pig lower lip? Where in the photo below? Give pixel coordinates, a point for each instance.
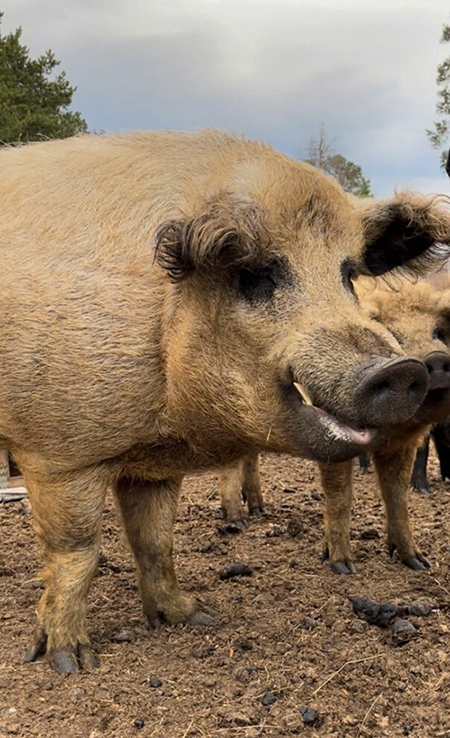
(341, 432)
(333, 428)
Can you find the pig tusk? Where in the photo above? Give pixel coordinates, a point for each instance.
(303, 393)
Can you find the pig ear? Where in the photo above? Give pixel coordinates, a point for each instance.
(227, 234)
(409, 231)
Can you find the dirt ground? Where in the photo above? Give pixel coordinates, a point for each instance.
(288, 629)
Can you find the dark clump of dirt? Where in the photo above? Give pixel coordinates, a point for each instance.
(287, 631)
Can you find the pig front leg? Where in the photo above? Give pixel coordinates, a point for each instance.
(393, 466)
(67, 511)
(419, 480)
(148, 510)
(337, 487)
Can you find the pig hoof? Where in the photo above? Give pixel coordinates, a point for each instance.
(236, 526)
(343, 567)
(199, 615)
(38, 649)
(256, 511)
(202, 616)
(240, 524)
(88, 659)
(421, 490)
(69, 660)
(417, 562)
(63, 660)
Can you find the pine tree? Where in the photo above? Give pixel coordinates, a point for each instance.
(34, 101)
(439, 136)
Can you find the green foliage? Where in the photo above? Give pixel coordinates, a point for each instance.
(439, 135)
(33, 101)
(349, 175)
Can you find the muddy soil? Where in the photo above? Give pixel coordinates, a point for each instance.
(285, 636)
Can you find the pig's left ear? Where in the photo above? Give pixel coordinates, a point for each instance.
(408, 231)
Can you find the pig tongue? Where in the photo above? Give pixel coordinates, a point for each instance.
(342, 432)
(334, 427)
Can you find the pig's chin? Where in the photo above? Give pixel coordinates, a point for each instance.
(323, 437)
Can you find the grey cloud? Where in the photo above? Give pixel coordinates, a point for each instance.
(274, 70)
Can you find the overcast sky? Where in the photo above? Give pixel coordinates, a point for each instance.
(273, 69)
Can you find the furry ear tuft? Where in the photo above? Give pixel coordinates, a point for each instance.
(410, 232)
(228, 234)
(172, 252)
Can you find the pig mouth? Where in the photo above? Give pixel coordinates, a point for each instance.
(341, 431)
(329, 438)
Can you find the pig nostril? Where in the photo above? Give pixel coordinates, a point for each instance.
(393, 393)
(445, 368)
(381, 387)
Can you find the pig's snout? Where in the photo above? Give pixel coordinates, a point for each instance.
(392, 393)
(438, 365)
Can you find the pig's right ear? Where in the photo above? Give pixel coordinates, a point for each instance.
(409, 231)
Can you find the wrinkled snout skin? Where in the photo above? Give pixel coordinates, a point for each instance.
(170, 291)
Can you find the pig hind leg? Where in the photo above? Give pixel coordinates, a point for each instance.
(231, 480)
(67, 513)
(364, 463)
(240, 482)
(251, 484)
(148, 510)
(337, 487)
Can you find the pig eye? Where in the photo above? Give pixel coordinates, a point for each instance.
(348, 274)
(439, 335)
(258, 285)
